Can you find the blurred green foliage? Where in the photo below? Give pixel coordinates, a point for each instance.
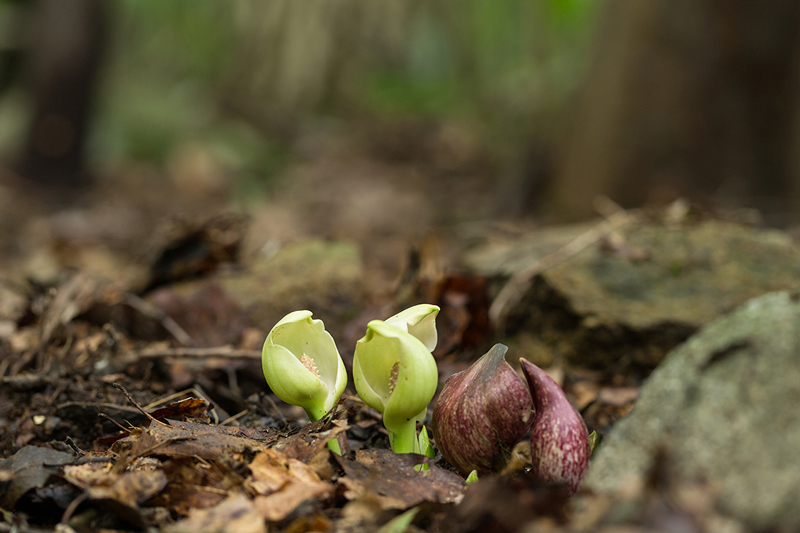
(160, 92)
(174, 69)
(160, 74)
(501, 61)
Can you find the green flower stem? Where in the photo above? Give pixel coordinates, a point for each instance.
(403, 437)
(315, 414)
(333, 444)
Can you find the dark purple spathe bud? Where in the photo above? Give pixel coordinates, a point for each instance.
(481, 414)
(559, 438)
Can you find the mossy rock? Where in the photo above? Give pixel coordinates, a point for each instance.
(723, 409)
(613, 309)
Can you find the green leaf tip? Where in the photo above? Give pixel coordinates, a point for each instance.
(594, 442)
(425, 447)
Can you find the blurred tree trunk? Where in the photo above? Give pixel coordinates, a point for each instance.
(296, 56)
(687, 97)
(62, 69)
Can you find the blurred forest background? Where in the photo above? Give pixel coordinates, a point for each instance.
(370, 119)
(177, 175)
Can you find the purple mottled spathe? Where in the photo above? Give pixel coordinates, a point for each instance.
(481, 414)
(559, 438)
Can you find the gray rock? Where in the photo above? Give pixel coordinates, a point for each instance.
(725, 406)
(625, 303)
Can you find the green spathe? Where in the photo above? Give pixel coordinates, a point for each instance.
(395, 373)
(302, 365)
(419, 321)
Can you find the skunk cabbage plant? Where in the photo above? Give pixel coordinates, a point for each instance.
(395, 373)
(560, 446)
(302, 364)
(481, 413)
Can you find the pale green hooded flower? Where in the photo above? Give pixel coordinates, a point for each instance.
(420, 321)
(395, 373)
(302, 365)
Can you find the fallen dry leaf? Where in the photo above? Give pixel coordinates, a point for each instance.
(506, 504)
(195, 484)
(282, 483)
(129, 488)
(190, 408)
(235, 514)
(393, 479)
(361, 514)
(29, 468)
(311, 439)
(200, 440)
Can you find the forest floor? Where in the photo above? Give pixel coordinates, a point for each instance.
(132, 319)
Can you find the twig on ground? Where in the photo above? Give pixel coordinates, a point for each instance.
(120, 426)
(219, 351)
(136, 405)
(75, 447)
(25, 382)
